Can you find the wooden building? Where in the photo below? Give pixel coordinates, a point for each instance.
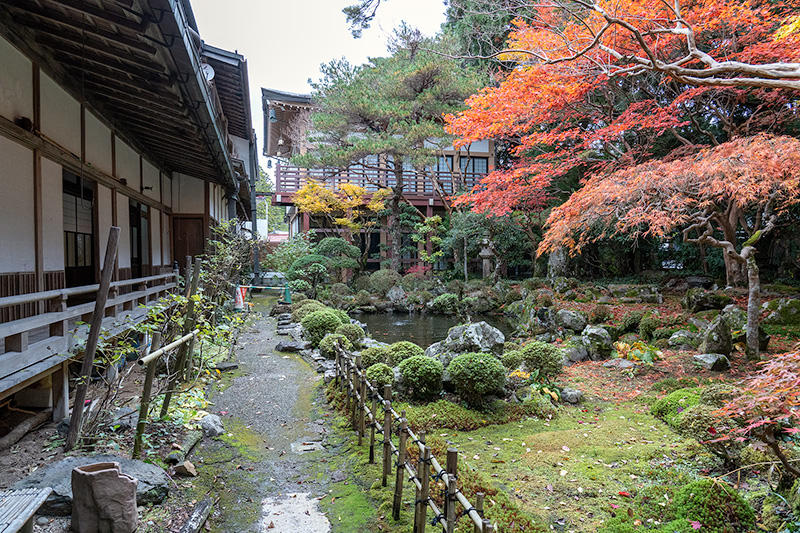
(112, 113)
(455, 170)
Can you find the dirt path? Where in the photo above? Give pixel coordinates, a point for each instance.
(269, 467)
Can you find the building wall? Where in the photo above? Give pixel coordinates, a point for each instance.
(16, 83)
(187, 195)
(98, 144)
(151, 177)
(16, 208)
(155, 237)
(61, 116)
(52, 216)
(104, 218)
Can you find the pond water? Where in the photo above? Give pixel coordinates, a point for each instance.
(421, 329)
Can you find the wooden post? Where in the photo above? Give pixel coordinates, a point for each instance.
(144, 407)
(337, 362)
(363, 408)
(451, 467)
(356, 388)
(373, 422)
(94, 335)
(387, 432)
(189, 359)
(188, 326)
(424, 472)
(187, 276)
(450, 514)
(346, 385)
(479, 508)
(487, 526)
(401, 467)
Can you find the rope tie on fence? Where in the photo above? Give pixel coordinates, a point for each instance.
(438, 518)
(422, 500)
(467, 511)
(438, 476)
(413, 478)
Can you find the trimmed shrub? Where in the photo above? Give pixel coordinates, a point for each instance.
(511, 359)
(671, 405)
(545, 359)
(341, 289)
(362, 298)
(328, 344)
(297, 304)
(402, 350)
(361, 282)
(343, 316)
(320, 323)
(380, 374)
(718, 394)
(630, 323)
(422, 376)
(304, 310)
(353, 332)
(383, 280)
(599, 314)
(375, 355)
(420, 297)
(531, 284)
(716, 506)
(455, 286)
(700, 423)
(513, 296)
(474, 375)
(446, 303)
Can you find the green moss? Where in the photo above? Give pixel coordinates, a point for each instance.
(669, 407)
(715, 505)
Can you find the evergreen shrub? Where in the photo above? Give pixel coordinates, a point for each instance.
(328, 344)
(375, 355)
(383, 280)
(319, 323)
(422, 376)
(545, 359)
(380, 374)
(353, 332)
(474, 375)
(399, 351)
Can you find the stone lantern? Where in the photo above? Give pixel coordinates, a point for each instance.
(486, 255)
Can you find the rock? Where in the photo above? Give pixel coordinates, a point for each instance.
(619, 363)
(186, 469)
(211, 426)
(280, 310)
(598, 342)
(630, 300)
(396, 294)
(682, 340)
(226, 366)
(369, 342)
(42, 521)
(152, 488)
(736, 317)
(559, 284)
(699, 323)
(292, 346)
(703, 300)
(104, 499)
(557, 264)
(717, 337)
(124, 419)
(368, 309)
(476, 337)
(574, 320)
(575, 350)
(572, 396)
(712, 361)
(784, 312)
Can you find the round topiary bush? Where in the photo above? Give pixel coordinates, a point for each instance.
(474, 375)
(380, 374)
(329, 343)
(320, 323)
(308, 307)
(399, 351)
(543, 358)
(301, 302)
(375, 355)
(446, 303)
(422, 376)
(511, 359)
(362, 299)
(343, 316)
(353, 332)
(340, 289)
(715, 505)
(383, 280)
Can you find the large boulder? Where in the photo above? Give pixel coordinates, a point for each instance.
(598, 342)
(476, 337)
(737, 320)
(636, 293)
(575, 350)
(783, 312)
(574, 320)
(152, 488)
(396, 295)
(717, 337)
(682, 340)
(703, 300)
(712, 361)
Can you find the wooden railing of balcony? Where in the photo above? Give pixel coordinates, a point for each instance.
(35, 345)
(290, 179)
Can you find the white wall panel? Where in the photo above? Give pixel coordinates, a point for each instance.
(187, 194)
(166, 226)
(166, 185)
(123, 221)
(98, 144)
(155, 236)
(127, 165)
(150, 178)
(52, 215)
(61, 116)
(16, 83)
(16, 208)
(104, 218)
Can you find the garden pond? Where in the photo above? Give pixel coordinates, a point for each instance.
(422, 329)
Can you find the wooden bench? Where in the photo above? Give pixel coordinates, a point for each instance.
(17, 508)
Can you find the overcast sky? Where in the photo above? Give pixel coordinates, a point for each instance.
(285, 42)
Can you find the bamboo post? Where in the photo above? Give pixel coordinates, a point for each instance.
(360, 415)
(418, 497)
(337, 378)
(387, 432)
(94, 335)
(450, 513)
(421, 511)
(356, 401)
(401, 467)
(346, 384)
(189, 326)
(144, 407)
(451, 467)
(487, 526)
(373, 422)
(189, 359)
(479, 508)
(188, 276)
(362, 425)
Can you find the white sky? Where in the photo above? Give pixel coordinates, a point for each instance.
(285, 42)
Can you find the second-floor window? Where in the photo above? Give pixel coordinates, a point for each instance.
(474, 165)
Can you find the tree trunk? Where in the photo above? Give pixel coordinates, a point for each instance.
(466, 273)
(735, 272)
(395, 229)
(753, 303)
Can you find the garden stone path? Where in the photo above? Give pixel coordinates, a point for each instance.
(268, 469)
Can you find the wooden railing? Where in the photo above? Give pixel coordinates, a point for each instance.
(290, 179)
(32, 346)
(352, 381)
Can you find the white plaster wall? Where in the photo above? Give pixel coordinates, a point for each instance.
(16, 208)
(127, 164)
(166, 187)
(52, 216)
(166, 226)
(150, 178)
(187, 195)
(242, 149)
(16, 83)
(98, 144)
(155, 236)
(123, 221)
(61, 116)
(104, 218)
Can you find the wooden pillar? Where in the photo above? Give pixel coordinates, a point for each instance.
(60, 388)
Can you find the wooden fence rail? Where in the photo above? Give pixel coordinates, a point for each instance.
(351, 380)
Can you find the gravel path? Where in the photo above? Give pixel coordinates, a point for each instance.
(266, 468)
